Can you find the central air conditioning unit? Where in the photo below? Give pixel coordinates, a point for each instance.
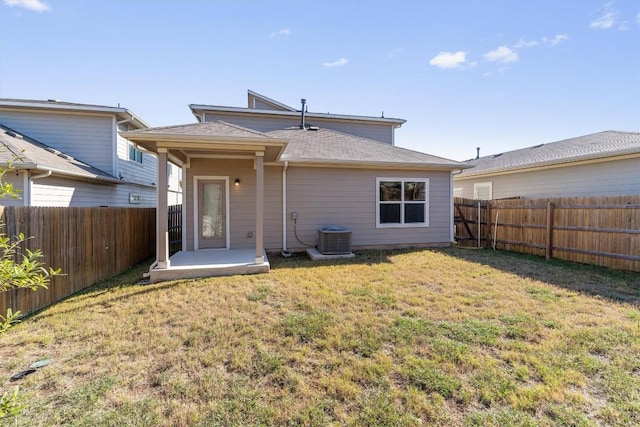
(334, 240)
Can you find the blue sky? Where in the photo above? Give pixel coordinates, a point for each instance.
(496, 74)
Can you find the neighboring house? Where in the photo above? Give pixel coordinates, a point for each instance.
(251, 190)
(601, 164)
(100, 167)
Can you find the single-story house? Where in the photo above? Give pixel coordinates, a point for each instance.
(247, 191)
(601, 164)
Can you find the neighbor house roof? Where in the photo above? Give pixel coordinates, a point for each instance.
(589, 147)
(319, 145)
(27, 153)
(53, 104)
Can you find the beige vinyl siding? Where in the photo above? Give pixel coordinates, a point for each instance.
(144, 173)
(88, 138)
(347, 197)
(242, 200)
(64, 192)
(261, 105)
(17, 180)
(620, 177)
(320, 196)
(375, 131)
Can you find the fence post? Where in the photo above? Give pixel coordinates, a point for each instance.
(549, 253)
(487, 242)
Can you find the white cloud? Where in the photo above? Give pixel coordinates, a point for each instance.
(338, 63)
(556, 40)
(604, 22)
(502, 54)
(608, 19)
(285, 32)
(395, 52)
(36, 5)
(450, 60)
(523, 43)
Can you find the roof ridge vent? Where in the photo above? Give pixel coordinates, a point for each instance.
(14, 134)
(497, 155)
(537, 146)
(64, 156)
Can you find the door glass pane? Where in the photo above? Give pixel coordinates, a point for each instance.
(390, 213)
(212, 210)
(414, 212)
(414, 191)
(390, 191)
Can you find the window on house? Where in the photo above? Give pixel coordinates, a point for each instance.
(169, 170)
(135, 155)
(402, 202)
(482, 191)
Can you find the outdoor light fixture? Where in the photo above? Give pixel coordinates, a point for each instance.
(237, 181)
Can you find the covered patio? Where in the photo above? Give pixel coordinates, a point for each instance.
(209, 249)
(209, 263)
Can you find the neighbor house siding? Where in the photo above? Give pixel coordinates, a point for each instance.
(381, 132)
(620, 177)
(144, 173)
(58, 191)
(88, 138)
(17, 180)
(347, 197)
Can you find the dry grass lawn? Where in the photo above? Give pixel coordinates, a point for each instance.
(393, 338)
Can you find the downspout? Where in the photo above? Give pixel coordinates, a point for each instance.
(452, 233)
(285, 252)
(44, 175)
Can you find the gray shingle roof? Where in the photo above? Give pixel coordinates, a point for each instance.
(597, 145)
(325, 145)
(35, 155)
(216, 128)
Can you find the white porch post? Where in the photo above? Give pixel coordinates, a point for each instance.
(259, 207)
(162, 226)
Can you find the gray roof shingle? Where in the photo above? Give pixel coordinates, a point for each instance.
(216, 128)
(325, 145)
(32, 154)
(594, 146)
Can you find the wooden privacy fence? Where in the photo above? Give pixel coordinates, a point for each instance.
(175, 228)
(88, 244)
(602, 231)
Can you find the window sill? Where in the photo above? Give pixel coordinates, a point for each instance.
(411, 225)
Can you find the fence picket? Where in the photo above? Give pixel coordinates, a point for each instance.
(592, 230)
(89, 244)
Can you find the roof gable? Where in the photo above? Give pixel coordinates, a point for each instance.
(254, 99)
(595, 146)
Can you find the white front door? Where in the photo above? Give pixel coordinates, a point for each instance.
(212, 214)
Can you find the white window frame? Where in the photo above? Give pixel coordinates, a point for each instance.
(402, 202)
(138, 153)
(482, 184)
